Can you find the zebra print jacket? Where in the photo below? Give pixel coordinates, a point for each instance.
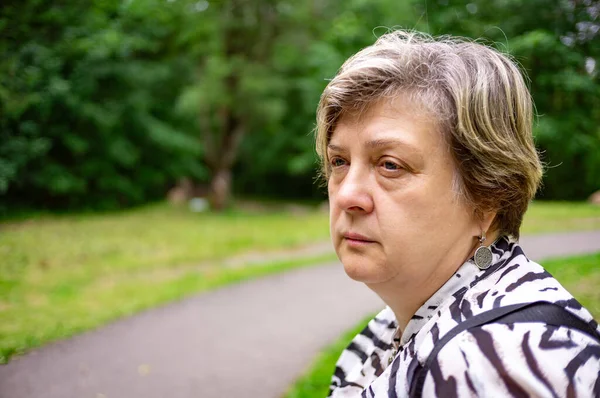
(493, 360)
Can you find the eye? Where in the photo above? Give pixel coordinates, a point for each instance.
(389, 165)
(337, 162)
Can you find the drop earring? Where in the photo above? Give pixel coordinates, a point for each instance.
(483, 254)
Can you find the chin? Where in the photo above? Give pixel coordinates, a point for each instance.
(363, 269)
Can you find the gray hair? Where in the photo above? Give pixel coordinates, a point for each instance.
(475, 94)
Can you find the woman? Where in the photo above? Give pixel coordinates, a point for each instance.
(427, 150)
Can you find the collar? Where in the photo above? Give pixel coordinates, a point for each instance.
(464, 278)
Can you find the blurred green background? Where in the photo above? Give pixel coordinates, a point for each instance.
(107, 104)
(107, 107)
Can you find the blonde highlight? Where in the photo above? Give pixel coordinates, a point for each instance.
(475, 94)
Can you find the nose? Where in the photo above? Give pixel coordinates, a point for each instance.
(352, 193)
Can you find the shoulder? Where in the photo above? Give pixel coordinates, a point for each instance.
(365, 357)
(516, 360)
(520, 359)
(520, 280)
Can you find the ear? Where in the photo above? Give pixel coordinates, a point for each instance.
(486, 220)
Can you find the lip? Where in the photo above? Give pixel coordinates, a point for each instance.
(352, 237)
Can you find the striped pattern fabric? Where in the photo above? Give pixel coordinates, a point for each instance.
(494, 360)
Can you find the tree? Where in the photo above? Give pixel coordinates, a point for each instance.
(85, 94)
(279, 158)
(235, 89)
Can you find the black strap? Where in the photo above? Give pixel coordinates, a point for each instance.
(550, 314)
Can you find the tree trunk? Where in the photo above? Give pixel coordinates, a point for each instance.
(220, 189)
(222, 139)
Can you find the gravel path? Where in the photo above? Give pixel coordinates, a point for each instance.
(247, 340)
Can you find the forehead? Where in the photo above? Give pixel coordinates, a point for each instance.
(397, 120)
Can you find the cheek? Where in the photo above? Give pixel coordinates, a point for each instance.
(413, 216)
(448, 218)
(332, 218)
(333, 211)
(332, 190)
(436, 195)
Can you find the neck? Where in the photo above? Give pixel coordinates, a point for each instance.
(405, 294)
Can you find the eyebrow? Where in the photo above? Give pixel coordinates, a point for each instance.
(336, 148)
(388, 142)
(380, 143)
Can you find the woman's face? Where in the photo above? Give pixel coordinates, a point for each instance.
(394, 214)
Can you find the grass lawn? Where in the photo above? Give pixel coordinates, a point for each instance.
(543, 217)
(63, 274)
(580, 275)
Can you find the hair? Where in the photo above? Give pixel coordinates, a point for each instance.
(476, 96)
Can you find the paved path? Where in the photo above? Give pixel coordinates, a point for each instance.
(246, 340)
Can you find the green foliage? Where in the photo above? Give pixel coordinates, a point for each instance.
(86, 94)
(108, 103)
(278, 159)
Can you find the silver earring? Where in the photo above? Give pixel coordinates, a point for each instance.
(483, 254)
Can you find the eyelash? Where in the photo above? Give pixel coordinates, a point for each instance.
(396, 165)
(336, 162)
(333, 160)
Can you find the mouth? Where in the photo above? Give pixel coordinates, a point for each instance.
(356, 239)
